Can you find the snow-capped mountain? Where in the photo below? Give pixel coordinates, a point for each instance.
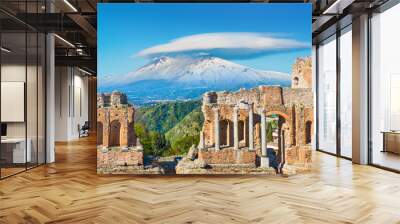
(202, 71)
(171, 78)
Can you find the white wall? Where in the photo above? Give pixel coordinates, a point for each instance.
(61, 103)
(33, 126)
(80, 111)
(71, 103)
(12, 73)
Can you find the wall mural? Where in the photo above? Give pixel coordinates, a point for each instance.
(204, 89)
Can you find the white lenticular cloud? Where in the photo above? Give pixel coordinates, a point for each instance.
(226, 45)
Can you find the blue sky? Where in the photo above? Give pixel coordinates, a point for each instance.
(124, 30)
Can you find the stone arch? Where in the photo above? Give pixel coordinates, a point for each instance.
(284, 118)
(99, 133)
(277, 112)
(115, 130)
(308, 135)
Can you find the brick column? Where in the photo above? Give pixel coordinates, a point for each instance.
(106, 128)
(264, 159)
(216, 128)
(123, 135)
(235, 128)
(251, 138)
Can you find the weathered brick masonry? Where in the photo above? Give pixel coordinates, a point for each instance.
(234, 122)
(116, 139)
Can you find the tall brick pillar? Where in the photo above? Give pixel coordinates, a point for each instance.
(235, 128)
(216, 128)
(251, 138)
(264, 159)
(106, 128)
(123, 136)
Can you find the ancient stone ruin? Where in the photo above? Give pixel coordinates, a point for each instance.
(118, 148)
(239, 129)
(234, 139)
(302, 73)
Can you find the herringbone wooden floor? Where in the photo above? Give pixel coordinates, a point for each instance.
(69, 191)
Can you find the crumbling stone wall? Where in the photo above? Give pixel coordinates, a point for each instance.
(246, 109)
(226, 156)
(113, 109)
(118, 147)
(119, 158)
(302, 73)
(293, 106)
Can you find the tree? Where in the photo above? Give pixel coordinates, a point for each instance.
(158, 143)
(182, 145)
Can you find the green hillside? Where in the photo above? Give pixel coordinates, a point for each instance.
(169, 128)
(186, 133)
(164, 116)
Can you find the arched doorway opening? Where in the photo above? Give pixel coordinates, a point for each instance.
(115, 130)
(308, 132)
(99, 133)
(272, 131)
(224, 134)
(242, 133)
(277, 136)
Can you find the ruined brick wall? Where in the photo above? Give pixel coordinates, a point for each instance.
(302, 73)
(284, 102)
(225, 114)
(118, 98)
(299, 156)
(227, 156)
(117, 116)
(103, 100)
(304, 125)
(294, 106)
(116, 139)
(298, 97)
(119, 158)
(111, 99)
